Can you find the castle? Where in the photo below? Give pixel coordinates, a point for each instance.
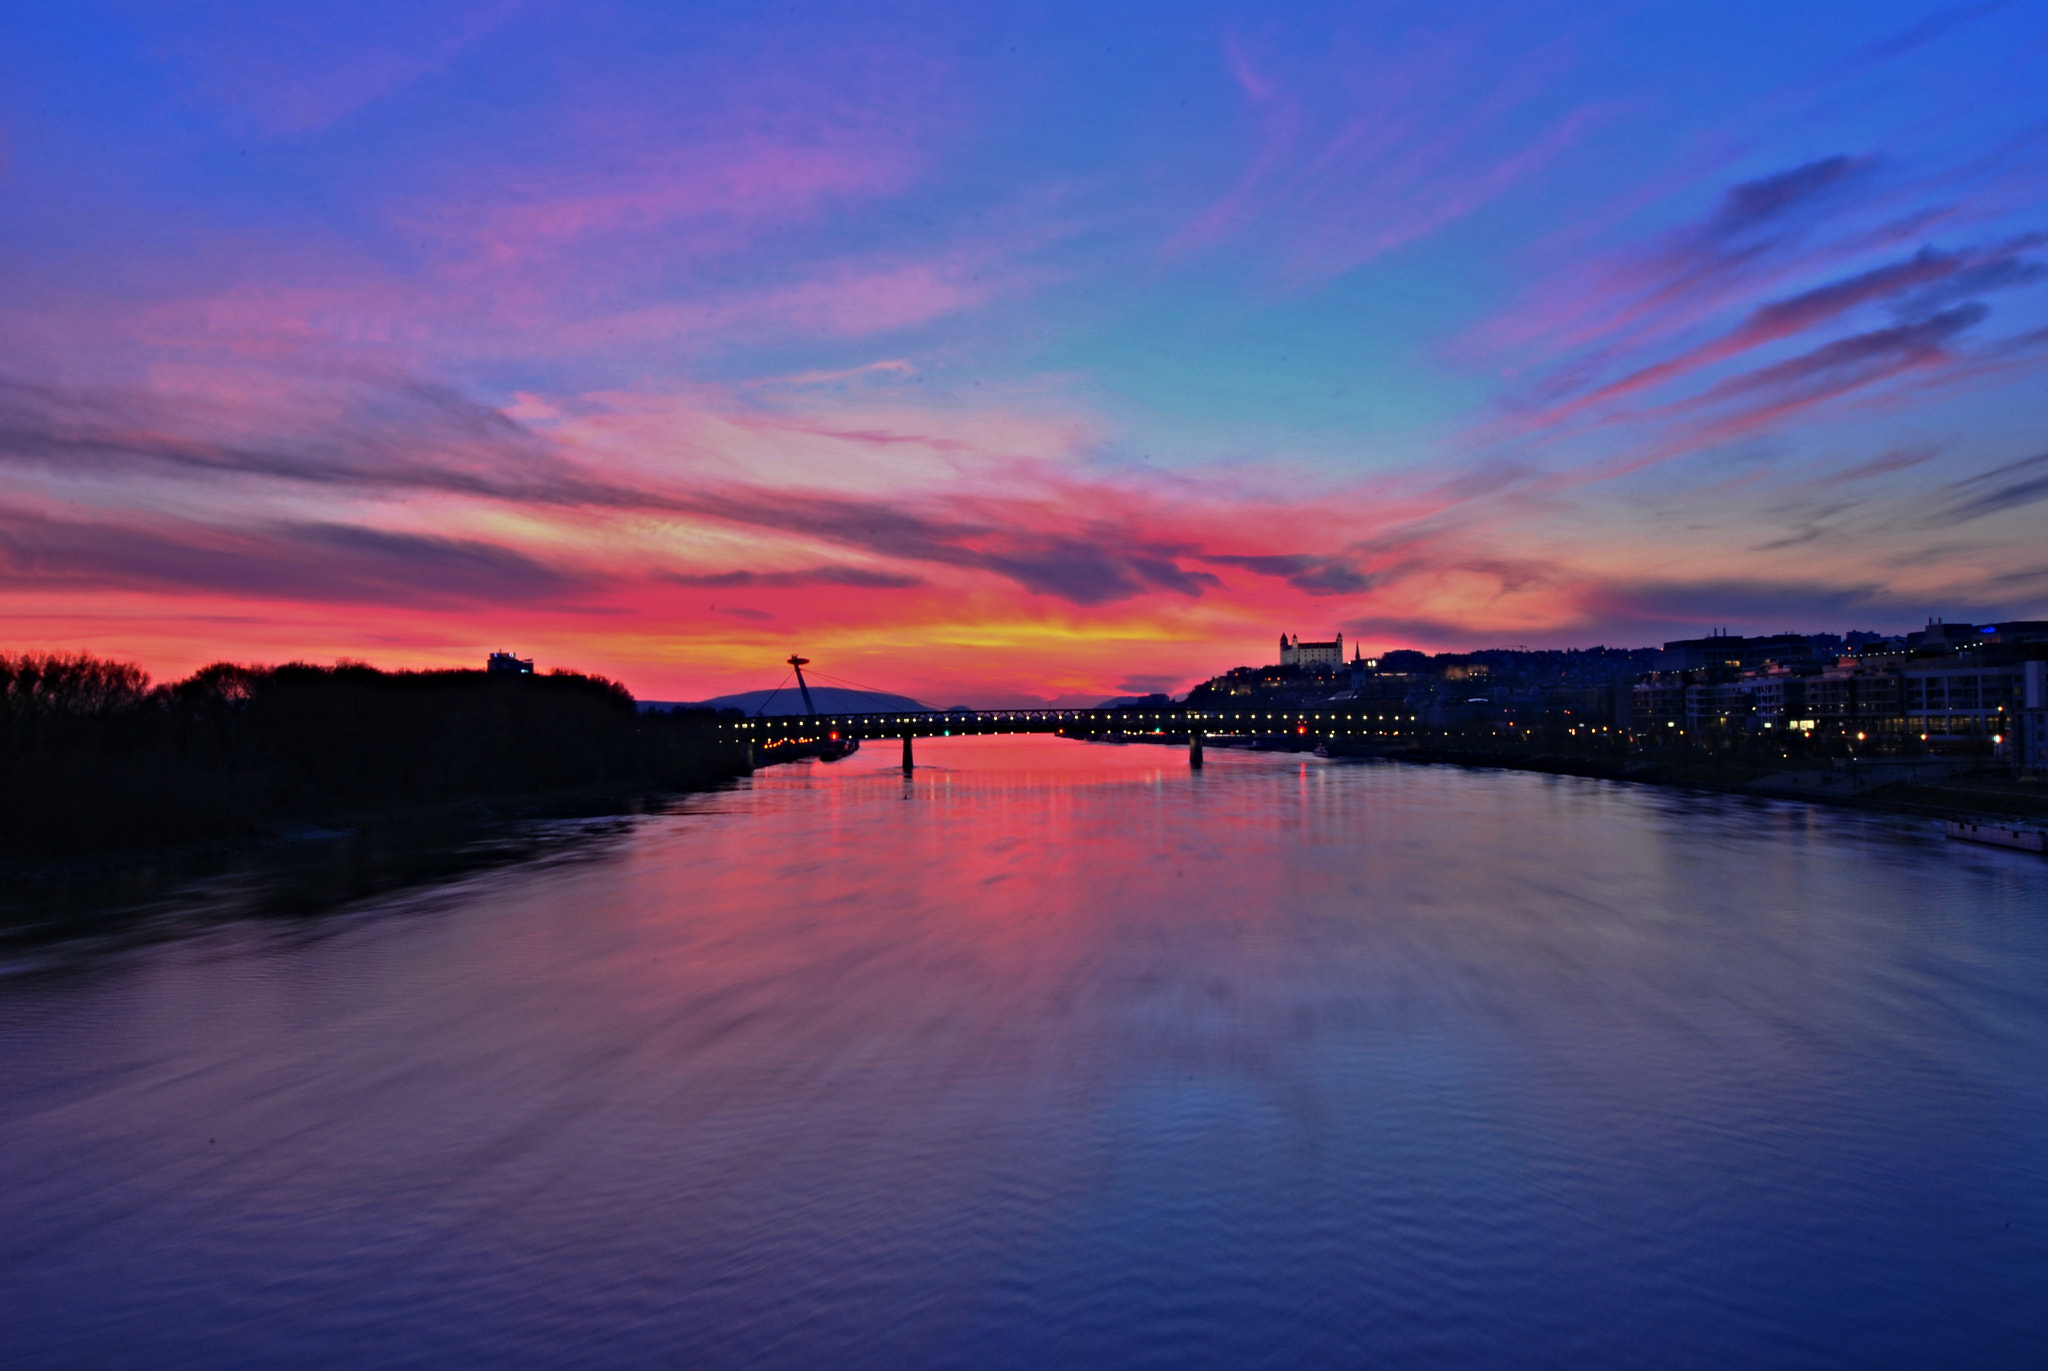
(1312, 656)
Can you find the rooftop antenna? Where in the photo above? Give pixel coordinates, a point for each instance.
(800, 663)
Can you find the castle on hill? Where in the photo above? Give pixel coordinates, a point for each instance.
(1312, 656)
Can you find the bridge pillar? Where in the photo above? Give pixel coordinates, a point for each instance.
(1195, 750)
(907, 763)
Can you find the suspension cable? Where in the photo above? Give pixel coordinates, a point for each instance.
(841, 680)
(762, 709)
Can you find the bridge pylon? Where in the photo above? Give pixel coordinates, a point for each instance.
(908, 763)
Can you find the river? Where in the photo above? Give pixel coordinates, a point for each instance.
(1057, 1055)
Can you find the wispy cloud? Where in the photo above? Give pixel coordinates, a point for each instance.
(372, 433)
(1697, 343)
(1933, 28)
(402, 438)
(2011, 486)
(1308, 574)
(705, 199)
(316, 563)
(1347, 168)
(1784, 318)
(1845, 363)
(295, 69)
(894, 366)
(865, 577)
(1095, 563)
(1884, 464)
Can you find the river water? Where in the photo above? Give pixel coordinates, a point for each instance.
(1059, 1055)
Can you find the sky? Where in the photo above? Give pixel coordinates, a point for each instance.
(999, 354)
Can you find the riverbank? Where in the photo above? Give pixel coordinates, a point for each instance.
(97, 767)
(293, 868)
(1964, 797)
(1927, 787)
(451, 817)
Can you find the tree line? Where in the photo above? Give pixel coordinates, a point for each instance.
(93, 756)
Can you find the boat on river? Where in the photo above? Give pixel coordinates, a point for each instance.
(1999, 835)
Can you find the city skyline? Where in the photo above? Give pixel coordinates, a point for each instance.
(1010, 356)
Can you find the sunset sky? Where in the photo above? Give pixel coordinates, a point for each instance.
(994, 354)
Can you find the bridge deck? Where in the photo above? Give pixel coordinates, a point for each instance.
(1214, 723)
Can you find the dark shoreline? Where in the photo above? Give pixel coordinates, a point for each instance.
(1967, 798)
(477, 813)
(100, 771)
(308, 867)
(1939, 802)
(449, 834)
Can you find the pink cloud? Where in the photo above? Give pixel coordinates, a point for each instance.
(1766, 324)
(1349, 167)
(882, 535)
(1617, 302)
(1280, 120)
(847, 299)
(294, 69)
(862, 302)
(716, 195)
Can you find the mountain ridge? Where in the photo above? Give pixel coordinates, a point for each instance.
(788, 700)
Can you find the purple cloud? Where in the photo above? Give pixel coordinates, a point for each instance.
(864, 577)
(2002, 488)
(1786, 197)
(330, 563)
(1311, 575)
(1848, 363)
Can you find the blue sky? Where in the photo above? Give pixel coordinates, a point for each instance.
(1038, 352)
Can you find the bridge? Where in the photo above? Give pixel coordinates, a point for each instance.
(1348, 726)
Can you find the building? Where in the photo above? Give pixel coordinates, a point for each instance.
(1962, 697)
(1734, 650)
(1952, 687)
(1857, 697)
(1717, 704)
(2032, 743)
(505, 662)
(1312, 656)
(1776, 699)
(1658, 701)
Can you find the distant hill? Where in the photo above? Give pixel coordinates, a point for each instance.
(830, 699)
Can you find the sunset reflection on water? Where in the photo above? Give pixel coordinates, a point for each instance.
(1058, 1053)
